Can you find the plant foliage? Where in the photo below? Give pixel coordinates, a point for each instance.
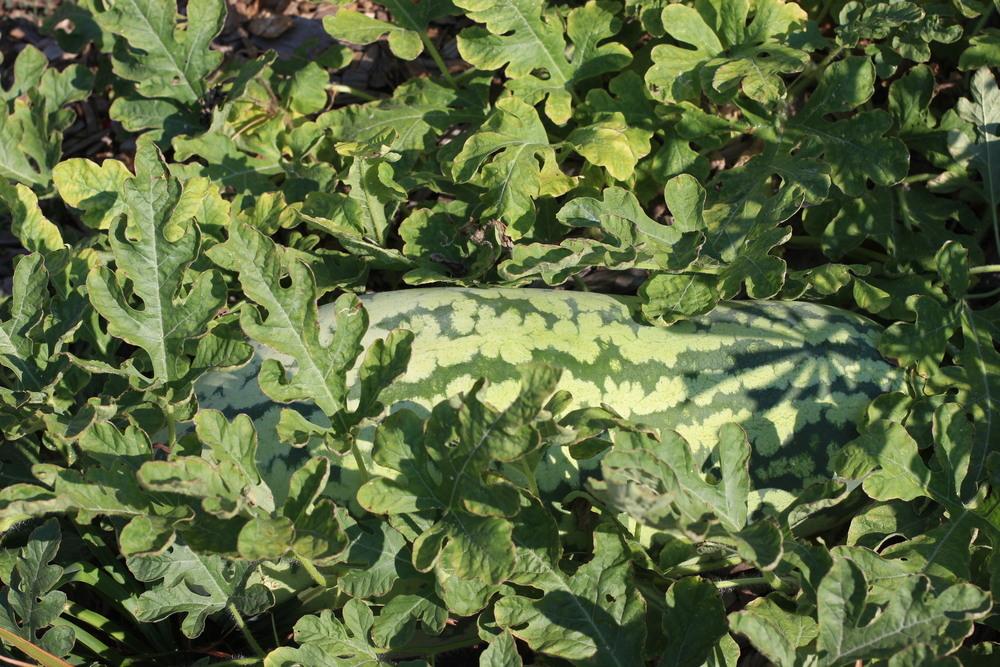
(680, 153)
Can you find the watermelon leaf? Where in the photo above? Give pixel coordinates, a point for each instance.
(290, 324)
(153, 251)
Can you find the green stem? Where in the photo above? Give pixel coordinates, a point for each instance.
(813, 73)
(168, 411)
(95, 620)
(462, 77)
(31, 650)
(824, 11)
(355, 92)
(92, 643)
(917, 178)
(360, 461)
(984, 295)
(725, 584)
(699, 565)
(529, 475)
(468, 639)
(986, 268)
(311, 570)
(983, 19)
(860, 253)
(238, 662)
(435, 55)
(242, 625)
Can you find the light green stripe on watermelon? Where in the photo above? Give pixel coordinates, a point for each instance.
(797, 376)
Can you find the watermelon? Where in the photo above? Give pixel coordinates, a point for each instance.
(797, 376)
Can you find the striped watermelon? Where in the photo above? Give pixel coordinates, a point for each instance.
(797, 376)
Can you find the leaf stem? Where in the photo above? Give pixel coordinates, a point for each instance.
(32, 650)
(985, 268)
(726, 584)
(813, 73)
(983, 19)
(355, 92)
(917, 178)
(699, 564)
(92, 643)
(242, 625)
(311, 570)
(469, 638)
(102, 623)
(860, 253)
(983, 295)
(435, 55)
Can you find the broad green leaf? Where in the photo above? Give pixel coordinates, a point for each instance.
(18, 350)
(693, 622)
(374, 193)
(502, 652)
(609, 142)
(195, 585)
(763, 273)
(658, 484)
(621, 221)
(856, 147)
(291, 324)
(165, 57)
(953, 265)
(913, 613)
(629, 238)
(775, 628)
(503, 157)
(668, 297)
(922, 343)
(593, 617)
(896, 29)
(95, 189)
(555, 264)
(731, 53)
(32, 604)
(744, 201)
(902, 473)
(224, 477)
(398, 620)
(326, 640)
(452, 484)
(375, 559)
(983, 50)
(359, 28)
(32, 117)
(523, 37)
(35, 231)
(153, 252)
(983, 112)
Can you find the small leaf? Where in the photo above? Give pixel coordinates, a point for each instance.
(358, 28)
(670, 297)
(95, 189)
(611, 143)
(921, 344)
